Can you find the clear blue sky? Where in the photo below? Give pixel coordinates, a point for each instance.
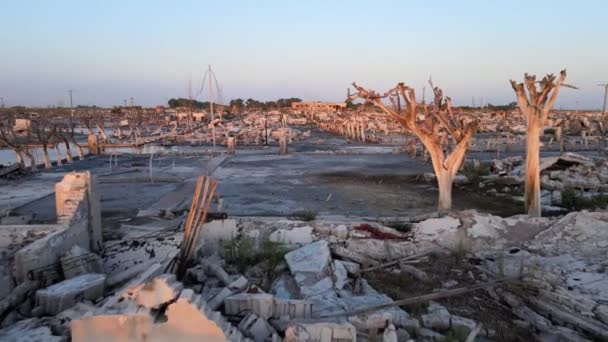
(111, 50)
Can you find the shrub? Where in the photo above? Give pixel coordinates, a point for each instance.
(573, 200)
(475, 172)
(303, 215)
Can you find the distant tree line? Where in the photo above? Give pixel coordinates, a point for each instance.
(236, 105)
(499, 108)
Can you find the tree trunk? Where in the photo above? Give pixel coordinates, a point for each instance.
(532, 192)
(78, 149)
(444, 183)
(20, 159)
(68, 151)
(32, 159)
(45, 156)
(58, 155)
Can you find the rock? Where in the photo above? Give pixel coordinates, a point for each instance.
(158, 291)
(463, 324)
(218, 299)
(353, 268)
(436, 226)
(497, 165)
(65, 294)
(545, 197)
(403, 335)
(297, 235)
(601, 312)
(320, 286)
(390, 334)
(438, 317)
(340, 275)
(411, 325)
(256, 327)
(430, 335)
(556, 197)
(196, 274)
(448, 284)
(284, 287)
(314, 258)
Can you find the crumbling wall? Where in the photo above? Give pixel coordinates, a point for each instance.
(79, 223)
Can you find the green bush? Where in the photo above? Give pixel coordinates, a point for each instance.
(474, 173)
(303, 215)
(572, 200)
(243, 253)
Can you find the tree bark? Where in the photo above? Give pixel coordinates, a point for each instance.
(68, 151)
(444, 183)
(532, 187)
(20, 161)
(58, 155)
(78, 149)
(45, 156)
(32, 159)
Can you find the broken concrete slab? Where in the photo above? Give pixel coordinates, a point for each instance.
(313, 258)
(158, 291)
(292, 308)
(67, 293)
(256, 327)
(325, 332)
(262, 304)
(340, 275)
(78, 261)
(296, 235)
(27, 331)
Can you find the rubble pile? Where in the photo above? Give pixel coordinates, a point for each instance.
(569, 175)
(252, 129)
(327, 279)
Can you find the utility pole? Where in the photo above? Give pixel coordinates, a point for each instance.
(211, 106)
(605, 85)
(71, 103)
(1, 102)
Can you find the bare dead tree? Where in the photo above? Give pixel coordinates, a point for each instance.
(8, 137)
(536, 103)
(70, 134)
(64, 135)
(42, 132)
(434, 125)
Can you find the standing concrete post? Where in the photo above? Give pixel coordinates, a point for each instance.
(283, 145)
(74, 188)
(93, 144)
(231, 145)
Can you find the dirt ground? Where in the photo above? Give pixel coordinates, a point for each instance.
(477, 305)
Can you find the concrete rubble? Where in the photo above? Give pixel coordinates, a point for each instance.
(272, 279)
(569, 181)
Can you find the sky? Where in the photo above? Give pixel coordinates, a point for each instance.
(108, 51)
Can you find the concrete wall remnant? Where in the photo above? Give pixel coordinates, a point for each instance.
(78, 223)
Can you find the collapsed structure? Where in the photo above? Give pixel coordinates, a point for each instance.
(272, 279)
